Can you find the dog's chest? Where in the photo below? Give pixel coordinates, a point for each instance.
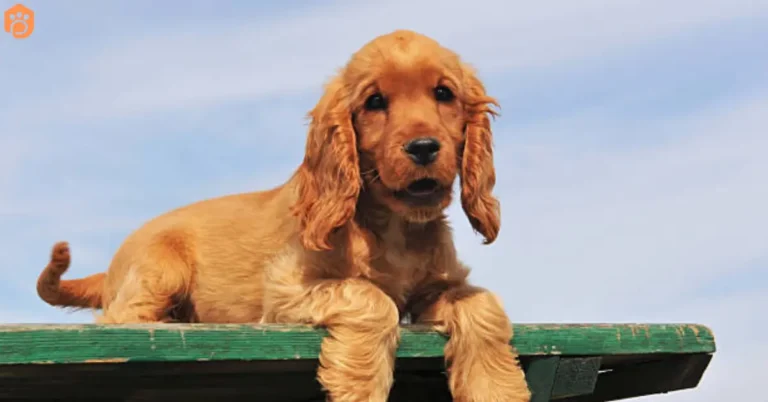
(398, 268)
(402, 264)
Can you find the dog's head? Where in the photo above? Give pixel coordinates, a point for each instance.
(401, 121)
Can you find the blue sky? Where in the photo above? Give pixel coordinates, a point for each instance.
(631, 150)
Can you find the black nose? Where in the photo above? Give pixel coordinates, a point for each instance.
(423, 151)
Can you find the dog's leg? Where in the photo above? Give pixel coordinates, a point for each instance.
(357, 359)
(149, 288)
(482, 365)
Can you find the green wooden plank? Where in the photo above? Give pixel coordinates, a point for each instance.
(613, 339)
(91, 343)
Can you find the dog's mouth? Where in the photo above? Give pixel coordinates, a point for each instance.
(423, 187)
(423, 191)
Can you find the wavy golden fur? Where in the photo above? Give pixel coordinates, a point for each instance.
(354, 240)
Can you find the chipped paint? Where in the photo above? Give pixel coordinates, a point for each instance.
(152, 339)
(270, 328)
(695, 330)
(108, 360)
(680, 331)
(39, 327)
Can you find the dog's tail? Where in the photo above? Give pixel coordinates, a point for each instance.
(79, 293)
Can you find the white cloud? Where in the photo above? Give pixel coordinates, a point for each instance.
(625, 224)
(251, 58)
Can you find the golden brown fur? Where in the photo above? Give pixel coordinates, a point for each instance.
(349, 242)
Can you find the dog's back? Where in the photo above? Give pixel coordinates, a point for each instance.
(200, 262)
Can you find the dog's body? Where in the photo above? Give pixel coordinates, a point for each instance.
(356, 238)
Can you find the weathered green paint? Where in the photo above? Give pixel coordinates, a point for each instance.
(613, 339)
(52, 344)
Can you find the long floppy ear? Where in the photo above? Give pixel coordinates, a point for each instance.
(329, 177)
(478, 175)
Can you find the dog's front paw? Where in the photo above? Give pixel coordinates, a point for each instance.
(486, 391)
(494, 377)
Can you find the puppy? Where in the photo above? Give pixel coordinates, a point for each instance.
(353, 240)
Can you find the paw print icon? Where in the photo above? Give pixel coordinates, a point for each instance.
(19, 21)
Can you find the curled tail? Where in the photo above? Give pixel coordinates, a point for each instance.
(82, 293)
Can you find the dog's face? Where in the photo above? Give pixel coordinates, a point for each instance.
(409, 120)
(403, 119)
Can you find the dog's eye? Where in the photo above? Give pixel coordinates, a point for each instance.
(376, 102)
(443, 94)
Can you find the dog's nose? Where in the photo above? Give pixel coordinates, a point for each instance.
(423, 151)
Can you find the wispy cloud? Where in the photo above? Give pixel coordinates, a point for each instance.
(242, 58)
(667, 217)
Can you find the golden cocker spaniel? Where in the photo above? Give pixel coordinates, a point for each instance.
(355, 239)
